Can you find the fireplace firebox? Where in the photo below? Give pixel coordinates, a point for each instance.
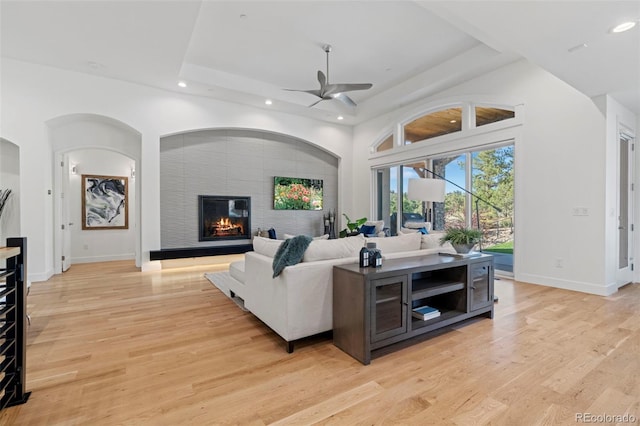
(224, 218)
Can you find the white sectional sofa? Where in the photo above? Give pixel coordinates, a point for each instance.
(299, 302)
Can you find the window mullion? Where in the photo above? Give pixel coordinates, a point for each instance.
(468, 181)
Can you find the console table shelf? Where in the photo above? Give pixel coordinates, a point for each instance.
(423, 288)
(372, 308)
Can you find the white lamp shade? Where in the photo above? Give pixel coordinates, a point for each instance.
(426, 190)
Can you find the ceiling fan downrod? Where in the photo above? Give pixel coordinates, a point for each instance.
(327, 49)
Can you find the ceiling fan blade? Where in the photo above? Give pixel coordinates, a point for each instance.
(314, 92)
(348, 87)
(316, 102)
(344, 98)
(322, 79)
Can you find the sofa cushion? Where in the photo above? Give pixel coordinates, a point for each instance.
(236, 270)
(404, 242)
(407, 231)
(321, 237)
(334, 249)
(418, 225)
(432, 241)
(266, 246)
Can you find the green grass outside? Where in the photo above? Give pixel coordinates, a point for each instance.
(506, 247)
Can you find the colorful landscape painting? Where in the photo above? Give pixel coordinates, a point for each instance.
(297, 193)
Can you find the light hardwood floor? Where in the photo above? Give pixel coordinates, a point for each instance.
(109, 345)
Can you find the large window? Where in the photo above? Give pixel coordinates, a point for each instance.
(479, 191)
(492, 182)
(488, 115)
(453, 212)
(433, 124)
(386, 144)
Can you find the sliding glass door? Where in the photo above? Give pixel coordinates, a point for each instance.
(492, 179)
(478, 193)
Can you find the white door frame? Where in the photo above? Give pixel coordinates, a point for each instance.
(624, 208)
(62, 246)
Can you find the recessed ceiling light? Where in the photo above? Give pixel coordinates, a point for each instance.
(182, 84)
(625, 26)
(340, 117)
(268, 102)
(452, 121)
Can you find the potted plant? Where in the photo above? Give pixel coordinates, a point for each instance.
(462, 239)
(353, 228)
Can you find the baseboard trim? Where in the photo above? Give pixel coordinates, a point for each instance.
(108, 258)
(39, 277)
(580, 286)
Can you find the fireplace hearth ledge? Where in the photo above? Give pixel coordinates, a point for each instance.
(186, 252)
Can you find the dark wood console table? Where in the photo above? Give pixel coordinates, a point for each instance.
(372, 308)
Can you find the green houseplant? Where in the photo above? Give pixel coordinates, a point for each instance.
(462, 239)
(352, 227)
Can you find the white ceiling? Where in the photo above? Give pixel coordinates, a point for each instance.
(249, 51)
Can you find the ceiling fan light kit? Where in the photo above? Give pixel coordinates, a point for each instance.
(329, 91)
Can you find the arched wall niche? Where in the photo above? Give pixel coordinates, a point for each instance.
(10, 179)
(239, 162)
(89, 134)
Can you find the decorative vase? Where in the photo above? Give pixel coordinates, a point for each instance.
(463, 248)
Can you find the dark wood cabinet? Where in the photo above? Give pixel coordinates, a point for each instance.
(481, 288)
(389, 310)
(372, 307)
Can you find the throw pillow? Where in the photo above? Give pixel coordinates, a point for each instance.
(368, 230)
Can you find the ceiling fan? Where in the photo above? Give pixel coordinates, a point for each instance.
(329, 91)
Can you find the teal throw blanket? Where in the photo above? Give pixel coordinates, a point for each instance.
(290, 253)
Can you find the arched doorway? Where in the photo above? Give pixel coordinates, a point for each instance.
(87, 136)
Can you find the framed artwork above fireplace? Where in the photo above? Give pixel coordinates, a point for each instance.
(224, 217)
(297, 193)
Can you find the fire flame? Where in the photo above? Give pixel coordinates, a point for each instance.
(225, 224)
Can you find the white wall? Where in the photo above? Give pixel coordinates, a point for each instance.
(559, 164)
(240, 163)
(32, 95)
(102, 244)
(10, 179)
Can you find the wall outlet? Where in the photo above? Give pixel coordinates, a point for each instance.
(558, 262)
(580, 211)
(86, 246)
